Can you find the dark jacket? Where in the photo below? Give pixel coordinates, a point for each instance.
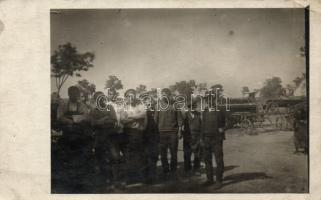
(211, 122)
(108, 115)
(169, 119)
(192, 124)
(151, 134)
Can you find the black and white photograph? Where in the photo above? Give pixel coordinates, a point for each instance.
(180, 100)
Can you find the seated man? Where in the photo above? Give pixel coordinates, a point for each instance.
(68, 109)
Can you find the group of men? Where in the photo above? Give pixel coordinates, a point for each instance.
(126, 143)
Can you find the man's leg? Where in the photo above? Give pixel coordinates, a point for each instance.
(196, 162)
(208, 163)
(187, 154)
(152, 160)
(163, 145)
(196, 150)
(218, 152)
(135, 155)
(129, 155)
(101, 155)
(173, 147)
(150, 172)
(115, 160)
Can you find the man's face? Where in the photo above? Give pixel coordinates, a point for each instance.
(165, 97)
(164, 94)
(130, 97)
(147, 101)
(74, 96)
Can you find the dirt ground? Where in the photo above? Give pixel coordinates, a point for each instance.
(261, 163)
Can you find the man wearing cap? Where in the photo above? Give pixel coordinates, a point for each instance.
(169, 123)
(191, 140)
(134, 120)
(212, 136)
(151, 139)
(107, 153)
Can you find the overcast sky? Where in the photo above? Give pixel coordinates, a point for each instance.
(156, 47)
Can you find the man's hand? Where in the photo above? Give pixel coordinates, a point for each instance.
(221, 130)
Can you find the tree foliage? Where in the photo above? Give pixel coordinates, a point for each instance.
(184, 88)
(113, 84)
(272, 88)
(88, 89)
(245, 90)
(218, 87)
(141, 89)
(67, 61)
(153, 93)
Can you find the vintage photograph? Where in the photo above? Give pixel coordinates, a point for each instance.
(179, 100)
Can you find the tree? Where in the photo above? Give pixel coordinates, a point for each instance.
(297, 81)
(66, 61)
(219, 88)
(184, 88)
(272, 88)
(202, 86)
(88, 89)
(245, 90)
(113, 84)
(153, 92)
(141, 89)
(200, 89)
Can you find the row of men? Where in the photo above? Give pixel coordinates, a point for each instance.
(137, 136)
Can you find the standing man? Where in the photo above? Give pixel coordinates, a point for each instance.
(169, 125)
(191, 140)
(212, 136)
(300, 128)
(134, 120)
(106, 151)
(151, 141)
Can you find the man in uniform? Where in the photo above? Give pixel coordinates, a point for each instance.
(212, 136)
(191, 140)
(151, 141)
(134, 121)
(169, 123)
(104, 122)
